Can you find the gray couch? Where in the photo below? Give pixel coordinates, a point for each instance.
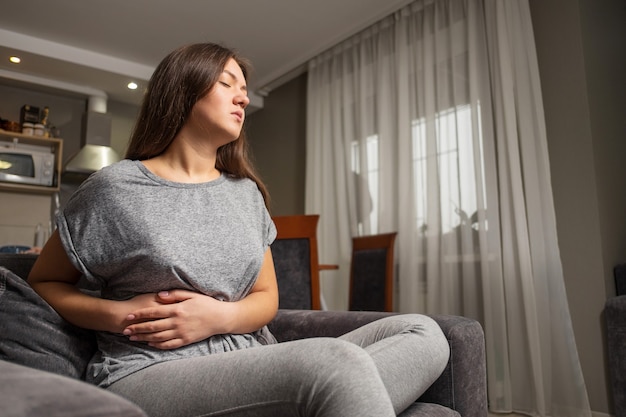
(40, 375)
(615, 315)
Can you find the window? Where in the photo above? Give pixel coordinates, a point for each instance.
(444, 169)
(366, 181)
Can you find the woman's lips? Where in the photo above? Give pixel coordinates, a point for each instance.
(238, 115)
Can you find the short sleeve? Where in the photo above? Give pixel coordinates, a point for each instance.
(75, 222)
(87, 233)
(271, 231)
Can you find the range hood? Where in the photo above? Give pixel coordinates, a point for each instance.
(96, 151)
(91, 158)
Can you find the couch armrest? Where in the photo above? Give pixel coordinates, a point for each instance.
(463, 384)
(461, 387)
(28, 392)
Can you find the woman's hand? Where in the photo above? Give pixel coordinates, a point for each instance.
(183, 317)
(176, 319)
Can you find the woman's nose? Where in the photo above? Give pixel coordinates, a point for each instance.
(242, 100)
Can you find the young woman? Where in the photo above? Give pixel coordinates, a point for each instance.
(177, 238)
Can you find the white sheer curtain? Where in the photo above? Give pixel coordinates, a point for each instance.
(430, 123)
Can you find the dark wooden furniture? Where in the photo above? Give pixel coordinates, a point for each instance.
(296, 262)
(372, 273)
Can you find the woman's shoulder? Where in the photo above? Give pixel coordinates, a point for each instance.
(243, 185)
(116, 169)
(115, 173)
(109, 178)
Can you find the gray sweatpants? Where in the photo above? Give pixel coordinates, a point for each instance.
(376, 370)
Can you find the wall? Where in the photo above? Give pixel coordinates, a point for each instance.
(603, 26)
(20, 216)
(582, 67)
(277, 140)
(580, 49)
(122, 123)
(65, 111)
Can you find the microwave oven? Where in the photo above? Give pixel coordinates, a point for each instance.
(27, 164)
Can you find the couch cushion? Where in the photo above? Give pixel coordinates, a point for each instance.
(34, 335)
(28, 392)
(428, 410)
(615, 316)
(20, 263)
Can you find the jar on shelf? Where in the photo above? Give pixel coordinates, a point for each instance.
(28, 128)
(39, 129)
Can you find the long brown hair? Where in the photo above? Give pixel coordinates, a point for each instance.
(181, 79)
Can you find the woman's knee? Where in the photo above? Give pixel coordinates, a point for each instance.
(336, 373)
(332, 355)
(413, 323)
(408, 335)
(427, 328)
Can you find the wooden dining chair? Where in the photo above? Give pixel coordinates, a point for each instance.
(296, 262)
(372, 273)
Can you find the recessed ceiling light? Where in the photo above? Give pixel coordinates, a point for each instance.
(132, 86)
(15, 59)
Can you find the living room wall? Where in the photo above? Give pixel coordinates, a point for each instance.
(277, 139)
(580, 49)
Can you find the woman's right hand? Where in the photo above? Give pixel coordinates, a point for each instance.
(181, 317)
(124, 308)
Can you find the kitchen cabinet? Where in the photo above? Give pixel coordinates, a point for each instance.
(56, 147)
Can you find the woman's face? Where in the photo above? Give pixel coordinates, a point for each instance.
(221, 112)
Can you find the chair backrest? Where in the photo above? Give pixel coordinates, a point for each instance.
(296, 262)
(371, 273)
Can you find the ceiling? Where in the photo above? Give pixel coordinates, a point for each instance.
(96, 47)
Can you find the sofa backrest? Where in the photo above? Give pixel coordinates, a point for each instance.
(18, 263)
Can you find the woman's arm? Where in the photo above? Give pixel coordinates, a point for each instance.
(54, 277)
(191, 317)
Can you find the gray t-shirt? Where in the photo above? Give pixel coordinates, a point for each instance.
(130, 232)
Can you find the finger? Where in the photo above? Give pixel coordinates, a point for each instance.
(174, 296)
(166, 297)
(147, 314)
(147, 327)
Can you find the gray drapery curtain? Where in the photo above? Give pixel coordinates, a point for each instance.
(430, 123)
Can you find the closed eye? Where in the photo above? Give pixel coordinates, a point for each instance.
(224, 84)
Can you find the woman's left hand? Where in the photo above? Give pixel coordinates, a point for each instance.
(184, 317)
